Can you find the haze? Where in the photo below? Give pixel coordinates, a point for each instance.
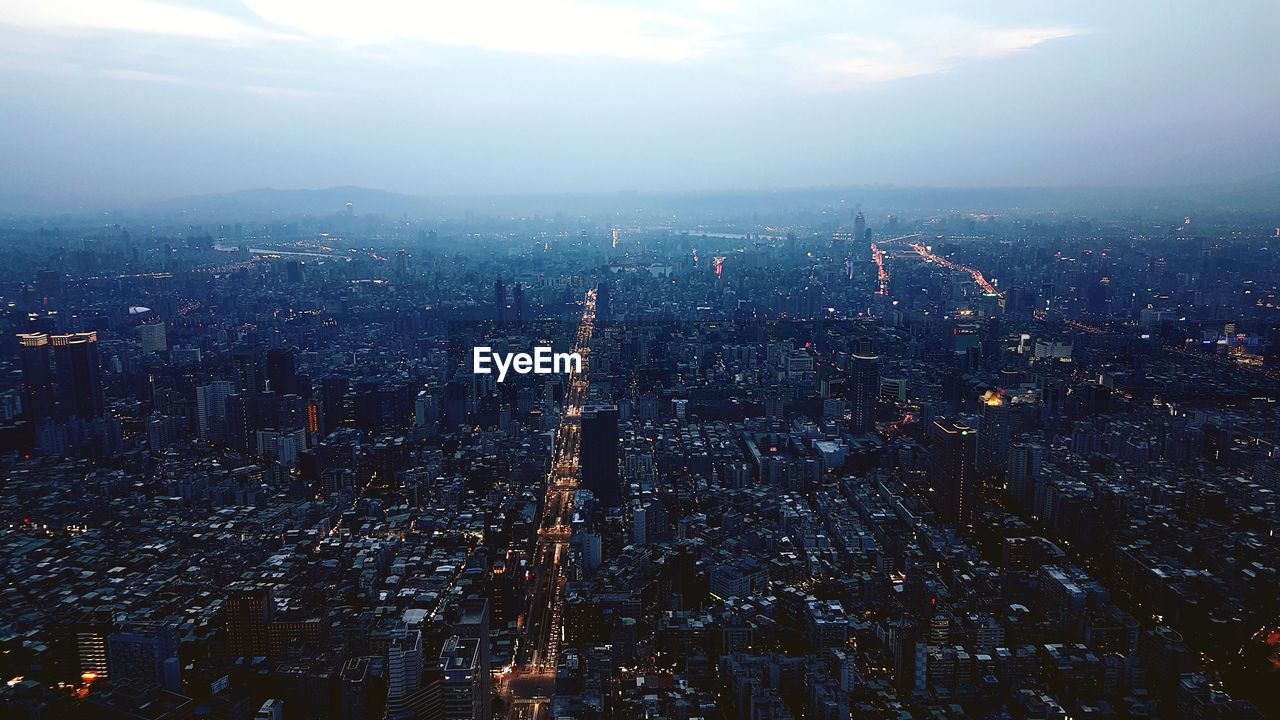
(135, 100)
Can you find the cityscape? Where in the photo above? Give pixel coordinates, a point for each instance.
(587, 359)
(941, 465)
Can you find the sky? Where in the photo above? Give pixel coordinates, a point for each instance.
(131, 100)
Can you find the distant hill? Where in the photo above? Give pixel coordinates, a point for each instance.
(1260, 195)
(266, 201)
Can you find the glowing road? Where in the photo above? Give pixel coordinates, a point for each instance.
(942, 262)
(529, 684)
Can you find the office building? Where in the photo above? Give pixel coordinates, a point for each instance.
(145, 653)
(248, 614)
(78, 373)
(952, 477)
(993, 434)
(599, 455)
(864, 392)
(37, 377)
(152, 337)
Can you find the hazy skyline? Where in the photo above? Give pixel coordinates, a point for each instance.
(141, 99)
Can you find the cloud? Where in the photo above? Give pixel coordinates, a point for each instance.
(548, 27)
(155, 78)
(817, 47)
(133, 16)
(849, 61)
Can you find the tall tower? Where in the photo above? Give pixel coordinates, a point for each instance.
(864, 392)
(37, 381)
(249, 373)
(600, 453)
(248, 613)
(603, 301)
(860, 228)
(993, 434)
(1023, 471)
(460, 665)
(473, 622)
(404, 663)
(79, 375)
(152, 337)
(951, 471)
(211, 409)
(517, 299)
(499, 301)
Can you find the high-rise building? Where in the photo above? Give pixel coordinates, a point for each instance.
(517, 299)
(145, 653)
(404, 663)
(499, 301)
(473, 622)
(211, 409)
(248, 367)
(37, 379)
(864, 392)
(1023, 471)
(860, 228)
(604, 302)
(425, 409)
(78, 373)
(282, 372)
(952, 476)
(402, 265)
(599, 453)
(91, 631)
(355, 694)
(460, 664)
(993, 434)
(249, 610)
(152, 337)
(239, 433)
(333, 392)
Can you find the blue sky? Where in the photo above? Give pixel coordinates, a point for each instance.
(134, 99)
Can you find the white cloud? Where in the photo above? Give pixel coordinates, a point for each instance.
(839, 62)
(134, 16)
(815, 46)
(155, 78)
(547, 27)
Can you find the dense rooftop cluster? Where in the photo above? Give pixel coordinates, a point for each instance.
(944, 466)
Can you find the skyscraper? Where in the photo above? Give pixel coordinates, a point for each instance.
(1023, 470)
(860, 228)
(37, 380)
(78, 370)
(599, 453)
(864, 392)
(993, 434)
(473, 622)
(282, 371)
(333, 391)
(248, 613)
(211, 409)
(145, 653)
(603, 301)
(460, 664)
(517, 299)
(404, 663)
(499, 301)
(248, 367)
(152, 337)
(952, 476)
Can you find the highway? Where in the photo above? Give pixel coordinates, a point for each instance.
(940, 261)
(528, 686)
